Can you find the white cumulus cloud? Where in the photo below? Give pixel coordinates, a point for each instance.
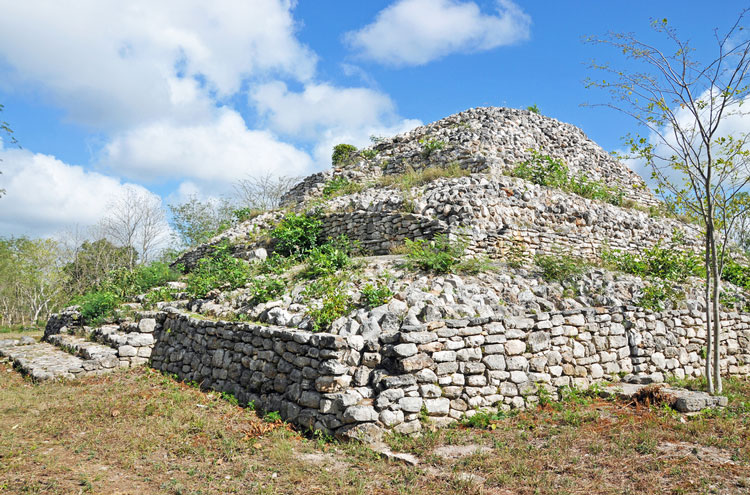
(112, 64)
(45, 195)
(213, 154)
(415, 32)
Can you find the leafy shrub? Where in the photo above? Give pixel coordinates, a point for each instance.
(666, 263)
(656, 295)
(124, 282)
(483, 419)
(440, 255)
(218, 270)
(160, 294)
(560, 268)
(369, 154)
(243, 214)
(264, 289)
(551, 172)
(376, 295)
(533, 109)
(415, 178)
(543, 170)
(329, 257)
(97, 305)
(736, 274)
(275, 264)
(335, 302)
(474, 265)
(334, 185)
(297, 234)
(343, 154)
(429, 146)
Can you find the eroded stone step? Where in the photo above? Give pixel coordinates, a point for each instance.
(103, 355)
(44, 361)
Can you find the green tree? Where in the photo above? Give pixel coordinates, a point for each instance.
(91, 262)
(196, 221)
(683, 103)
(31, 279)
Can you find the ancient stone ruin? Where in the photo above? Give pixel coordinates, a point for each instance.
(444, 346)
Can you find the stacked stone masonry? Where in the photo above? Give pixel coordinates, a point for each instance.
(444, 368)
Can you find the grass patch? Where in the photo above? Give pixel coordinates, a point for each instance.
(415, 178)
(138, 431)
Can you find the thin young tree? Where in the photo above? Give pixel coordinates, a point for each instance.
(686, 105)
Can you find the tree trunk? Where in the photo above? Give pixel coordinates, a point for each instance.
(716, 282)
(708, 369)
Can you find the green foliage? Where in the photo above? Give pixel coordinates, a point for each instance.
(218, 270)
(335, 302)
(275, 264)
(440, 254)
(91, 264)
(543, 170)
(246, 213)
(264, 289)
(97, 305)
(561, 268)
(667, 263)
(334, 186)
(483, 419)
(429, 146)
(551, 172)
(196, 221)
(474, 265)
(376, 295)
(296, 234)
(415, 178)
(736, 274)
(328, 258)
(160, 294)
(533, 109)
(343, 154)
(272, 417)
(657, 294)
(368, 154)
(124, 282)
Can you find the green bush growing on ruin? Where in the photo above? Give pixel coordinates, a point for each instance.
(97, 306)
(560, 268)
(335, 301)
(376, 295)
(664, 262)
(218, 270)
(552, 172)
(296, 234)
(439, 255)
(264, 289)
(658, 293)
(334, 185)
(327, 258)
(533, 109)
(343, 154)
(429, 146)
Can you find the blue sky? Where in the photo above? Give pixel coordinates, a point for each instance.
(185, 97)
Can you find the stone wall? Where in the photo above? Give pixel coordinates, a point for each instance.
(487, 139)
(496, 213)
(444, 368)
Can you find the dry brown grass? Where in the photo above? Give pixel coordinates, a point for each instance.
(140, 432)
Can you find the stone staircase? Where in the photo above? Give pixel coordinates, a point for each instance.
(69, 352)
